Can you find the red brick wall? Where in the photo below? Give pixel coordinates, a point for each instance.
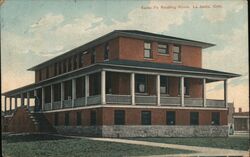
(105, 116)
(133, 49)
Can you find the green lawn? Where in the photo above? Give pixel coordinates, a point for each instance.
(49, 145)
(237, 143)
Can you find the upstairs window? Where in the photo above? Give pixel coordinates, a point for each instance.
(146, 118)
(106, 52)
(177, 53)
(75, 62)
(119, 117)
(164, 86)
(194, 118)
(147, 50)
(55, 69)
(70, 64)
(215, 118)
(93, 56)
(141, 82)
(170, 118)
(163, 48)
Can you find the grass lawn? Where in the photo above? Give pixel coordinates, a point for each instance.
(237, 143)
(48, 145)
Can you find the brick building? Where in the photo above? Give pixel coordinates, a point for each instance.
(125, 83)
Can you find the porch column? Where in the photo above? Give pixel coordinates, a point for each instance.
(73, 91)
(15, 102)
(204, 92)
(86, 89)
(43, 98)
(10, 103)
(62, 94)
(103, 87)
(225, 94)
(28, 100)
(182, 91)
(132, 88)
(5, 104)
(51, 96)
(158, 92)
(22, 100)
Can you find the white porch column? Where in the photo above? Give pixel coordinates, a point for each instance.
(103, 87)
(73, 91)
(225, 94)
(10, 103)
(15, 102)
(28, 100)
(204, 92)
(51, 96)
(182, 91)
(132, 88)
(43, 98)
(62, 94)
(158, 91)
(22, 100)
(86, 89)
(5, 104)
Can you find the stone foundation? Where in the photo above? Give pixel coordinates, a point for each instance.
(145, 131)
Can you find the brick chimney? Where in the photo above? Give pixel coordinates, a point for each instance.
(240, 109)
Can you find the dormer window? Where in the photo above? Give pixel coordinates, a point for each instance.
(147, 50)
(106, 52)
(93, 56)
(163, 49)
(177, 53)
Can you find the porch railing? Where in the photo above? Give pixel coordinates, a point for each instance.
(56, 105)
(47, 106)
(170, 101)
(93, 100)
(139, 99)
(193, 102)
(79, 102)
(118, 99)
(215, 103)
(67, 103)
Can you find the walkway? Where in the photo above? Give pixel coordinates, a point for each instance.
(201, 151)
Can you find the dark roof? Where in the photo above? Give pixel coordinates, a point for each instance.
(169, 67)
(241, 114)
(126, 33)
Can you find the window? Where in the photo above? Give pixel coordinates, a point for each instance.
(140, 83)
(93, 56)
(164, 86)
(177, 53)
(60, 68)
(64, 66)
(109, 83)
(80, 60)
(170, 118)
(119, 117)
(186, 87)
(147, 50)
(69, 64)
(57, 92)
(163, 48)
(78, 118)
(40, 74)
(215, 118)
(47, 72)
(56, 119)
(106, 52)
(80, 87)
(55, 69)
(75, 62)
(146, 118)
(66, 119)
(93, 118)
(194, 118)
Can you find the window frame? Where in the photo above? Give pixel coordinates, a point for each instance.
(178, 53)
(160, 48)
(148, 49)
(144, 119)
(137, 83)
(119, 117)
(214, 119)
(167, 84)
(79, 118)
(169, 118)
(194, 118)
(66, 118)
(93, 118)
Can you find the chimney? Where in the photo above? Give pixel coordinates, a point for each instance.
(240, 109)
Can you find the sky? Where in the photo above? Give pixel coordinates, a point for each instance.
(35, 31)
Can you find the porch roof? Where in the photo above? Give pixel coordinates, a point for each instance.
(128, 65)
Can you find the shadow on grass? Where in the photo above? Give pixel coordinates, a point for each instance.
(12, 138)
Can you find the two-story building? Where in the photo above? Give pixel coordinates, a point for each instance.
(126, 83)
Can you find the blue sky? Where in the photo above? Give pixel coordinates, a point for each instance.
(34, 31)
